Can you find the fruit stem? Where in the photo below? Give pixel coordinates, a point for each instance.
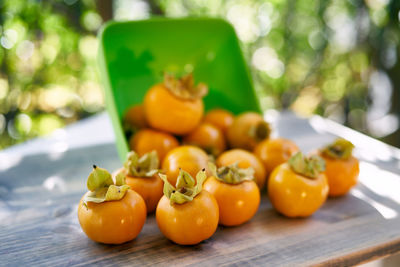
(102, 188)
(339, 149)
(186, 187)
(184, 87)
(260, 131)
(231, 174)
(145, 166)
(309, 167)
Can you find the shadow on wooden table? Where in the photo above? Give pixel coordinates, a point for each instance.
(38, 219)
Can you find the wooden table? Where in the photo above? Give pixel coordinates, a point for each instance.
(42, 181)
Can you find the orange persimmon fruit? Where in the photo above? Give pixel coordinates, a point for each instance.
(110, 213)
(175, 106)
(135, 118)
(247, 130)
(237, 195)
(273, 152)
(147, 140)
(186, 214)
(245, 159)
(298, 187)
(142, 176)
(208, 137)
(342, 168)
(220, 118)
(189, 158)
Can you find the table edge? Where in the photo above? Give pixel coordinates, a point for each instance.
(364, 255)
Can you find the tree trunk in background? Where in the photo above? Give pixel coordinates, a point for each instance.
(105, 8)
(394, 138)
(155, 8)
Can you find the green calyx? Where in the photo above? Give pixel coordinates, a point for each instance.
(184, 87)
(340, 149)
(145, 166)
(102, 187)
(309, 167)
(186, 188)
(231, 174)
(260, 131)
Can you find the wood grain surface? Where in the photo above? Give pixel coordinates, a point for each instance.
(39, 226)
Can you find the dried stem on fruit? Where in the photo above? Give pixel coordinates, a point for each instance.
(102, 187)
(184, 87)
(232, 174)
(145, 166)
(340, 149)
(186, 188)
(309, 167)
(260, 131)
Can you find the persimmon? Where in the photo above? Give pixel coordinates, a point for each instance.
(342, 168)
(220, 118)
(207, 137)
(135, 118)
(237, 194)
(110, 212)
(175, 106)
(142, 177)
(273, 152)
(189, 158)
(245, 160)
(298, 187)
(147, 140)
(186, 214)
(247, 130)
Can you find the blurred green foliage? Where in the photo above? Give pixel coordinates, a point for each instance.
(336, 58)
(48, 72)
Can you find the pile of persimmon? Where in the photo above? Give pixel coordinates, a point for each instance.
(197, 170)
(171, 121)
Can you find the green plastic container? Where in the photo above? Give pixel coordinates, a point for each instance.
(134, 55)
